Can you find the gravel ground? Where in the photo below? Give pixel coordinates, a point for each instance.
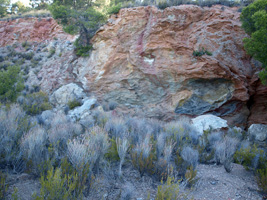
(214, 183)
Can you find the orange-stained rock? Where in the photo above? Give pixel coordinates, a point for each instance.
(30, 29)
(143, 59)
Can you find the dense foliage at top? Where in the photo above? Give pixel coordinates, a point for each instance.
(254, 21)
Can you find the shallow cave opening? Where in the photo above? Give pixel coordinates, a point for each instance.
(250, 102)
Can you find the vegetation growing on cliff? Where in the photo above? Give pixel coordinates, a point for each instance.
(79, 17)
(254, 18)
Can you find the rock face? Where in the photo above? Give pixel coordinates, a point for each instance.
(143, 58)
(31, 30)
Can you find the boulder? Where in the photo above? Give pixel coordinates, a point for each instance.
(66, 93)
(258, 132)
(83, 110)
(205, 122)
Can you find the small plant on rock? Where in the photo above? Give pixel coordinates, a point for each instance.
(201, 52)
(73, 104)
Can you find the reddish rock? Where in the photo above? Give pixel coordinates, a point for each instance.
(31, 29)
(143, 59)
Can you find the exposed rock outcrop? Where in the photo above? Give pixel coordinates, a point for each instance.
(143, 58)
(32, 30)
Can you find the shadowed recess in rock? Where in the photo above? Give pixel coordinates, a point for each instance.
(207, 96)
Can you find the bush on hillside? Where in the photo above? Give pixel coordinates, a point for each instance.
(143, 157)
(35, 149)
(36, 103)
(224, 152)
(11, 83)
(13, 124)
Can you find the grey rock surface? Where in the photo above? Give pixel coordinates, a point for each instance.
(258, 132)
(205, 122)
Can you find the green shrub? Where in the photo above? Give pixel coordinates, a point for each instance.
(71, 29)
(143, 163)
(56, 185)
(114, 9)
(36, 150)
(169, 191)
(84, 179)
(100, 118)
(253, 18)
(11, 83)
(82, 51)
(251, 157)
(3, 185)
(51, 52)
(262, 179)
(201, 52)
(163, 5)
(73, 104)
(24, 44)
(27, 56)
(60, 12)
(112, 154)
(163, 169)
(14, 195)
(13, 124)
(36, 103)
(190, 176)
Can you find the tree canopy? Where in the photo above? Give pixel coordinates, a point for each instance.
(79, 17)
(254, 22)
(3, 7)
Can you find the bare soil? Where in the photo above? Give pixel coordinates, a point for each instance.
(214, 183)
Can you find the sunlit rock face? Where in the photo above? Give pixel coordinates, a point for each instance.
(143, 59)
